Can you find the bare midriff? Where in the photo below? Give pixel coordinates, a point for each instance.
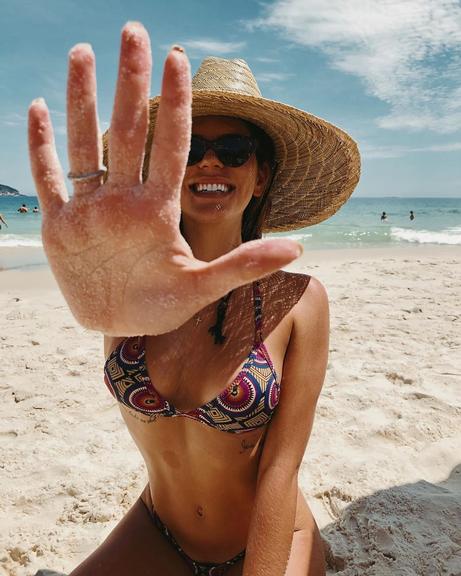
(202, 482)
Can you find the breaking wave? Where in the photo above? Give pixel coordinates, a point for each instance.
(450, 236)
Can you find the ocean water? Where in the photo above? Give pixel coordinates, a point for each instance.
(356, 225)
(23, 229)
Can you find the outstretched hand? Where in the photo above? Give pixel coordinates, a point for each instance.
(115, 247)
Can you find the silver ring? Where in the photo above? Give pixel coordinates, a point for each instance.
(87, 176)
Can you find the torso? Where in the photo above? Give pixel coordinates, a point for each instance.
(203, 479)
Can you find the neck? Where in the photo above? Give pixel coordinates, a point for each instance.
(211, 240)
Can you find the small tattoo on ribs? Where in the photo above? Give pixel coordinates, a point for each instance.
(246, 446)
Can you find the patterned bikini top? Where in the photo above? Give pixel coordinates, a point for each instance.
(246, 404)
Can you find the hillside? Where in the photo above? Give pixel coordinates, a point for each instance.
(8, 191)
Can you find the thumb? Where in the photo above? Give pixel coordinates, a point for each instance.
(249, 262)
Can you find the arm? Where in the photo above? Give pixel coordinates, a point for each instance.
(272, 523)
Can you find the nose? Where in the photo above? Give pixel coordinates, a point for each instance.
(210, 160)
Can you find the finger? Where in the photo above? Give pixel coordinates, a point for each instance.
(129, 122)
(46, 169)
(84, 147)
(171, 142)
(248, 262)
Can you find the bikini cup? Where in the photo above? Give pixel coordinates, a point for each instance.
(246, 404)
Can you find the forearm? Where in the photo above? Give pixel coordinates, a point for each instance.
(272, 524)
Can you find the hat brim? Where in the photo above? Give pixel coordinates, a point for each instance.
(318, 164)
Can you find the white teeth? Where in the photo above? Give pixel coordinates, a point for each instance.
(212, 187)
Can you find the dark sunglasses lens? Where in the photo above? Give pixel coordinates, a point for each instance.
(197, 150)
(233, 150)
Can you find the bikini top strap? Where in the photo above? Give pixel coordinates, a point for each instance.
(258, 308)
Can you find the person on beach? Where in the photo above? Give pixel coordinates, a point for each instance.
(2, 221)
(412, 216)
(383, 217)
(215, 356)
(23, 209)
(35, 210)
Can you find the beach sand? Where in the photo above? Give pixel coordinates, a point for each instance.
(382, 471)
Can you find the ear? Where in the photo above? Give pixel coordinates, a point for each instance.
(262, 179)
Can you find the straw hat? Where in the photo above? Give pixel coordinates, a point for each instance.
(318, 165)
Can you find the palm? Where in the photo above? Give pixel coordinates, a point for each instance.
(115, 247)
(114, 265)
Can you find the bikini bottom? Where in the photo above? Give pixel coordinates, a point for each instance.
(197, 568)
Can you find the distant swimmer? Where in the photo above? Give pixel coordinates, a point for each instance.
(2, 221)
(23, 209)
(412, 216)
(35, 210)
(383, 216)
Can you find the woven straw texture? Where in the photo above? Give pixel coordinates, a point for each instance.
(318, 165)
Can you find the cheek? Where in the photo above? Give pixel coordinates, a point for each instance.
(250, 179)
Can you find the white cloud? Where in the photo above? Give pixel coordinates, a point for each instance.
(57, 113)
(266, 60)
(58, 118)
(273, 76)
(211, 47)
(13, 119)
(373, 152)
(407, 52)
(18, 119)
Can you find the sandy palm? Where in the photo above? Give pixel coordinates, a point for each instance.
(115, 247)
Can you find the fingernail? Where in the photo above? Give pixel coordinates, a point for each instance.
(133, 26)
(300, 250)
(178, 48)
(80, 50)
(38, 102)
(81, 45)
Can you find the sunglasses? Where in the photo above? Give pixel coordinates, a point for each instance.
(232, 150)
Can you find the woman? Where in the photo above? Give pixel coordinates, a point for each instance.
(172, 255)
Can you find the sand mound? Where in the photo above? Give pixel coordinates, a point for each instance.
(406, 530)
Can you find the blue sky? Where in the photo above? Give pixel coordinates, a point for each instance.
(386, 71)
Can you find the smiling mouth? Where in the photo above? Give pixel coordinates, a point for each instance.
(211, 189)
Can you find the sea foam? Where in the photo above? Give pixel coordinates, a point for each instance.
(451, 236)
(16, 240)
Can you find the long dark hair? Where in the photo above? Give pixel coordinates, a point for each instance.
(259, 207)
(253, 216)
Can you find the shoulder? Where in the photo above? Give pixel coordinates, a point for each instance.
(291, 284)
(299, 299)
(311, 313)
(303, 290)
(315, 295)
(281, 292)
